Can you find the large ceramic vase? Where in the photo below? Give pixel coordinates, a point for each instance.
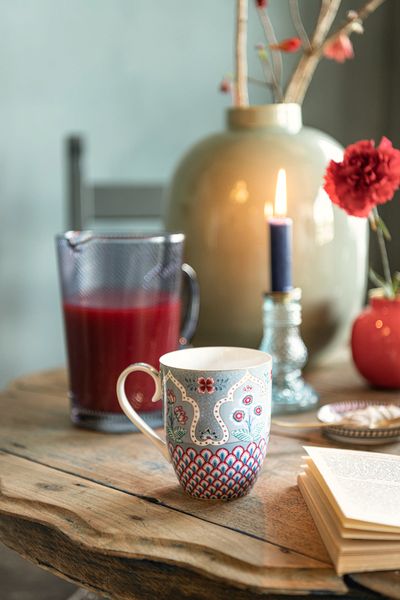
(217, 197)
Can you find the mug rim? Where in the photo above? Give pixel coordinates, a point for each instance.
(168, 359)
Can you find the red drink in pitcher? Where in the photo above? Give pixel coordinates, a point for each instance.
(104, 337)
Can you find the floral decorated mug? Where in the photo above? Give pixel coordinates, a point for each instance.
(217, 415)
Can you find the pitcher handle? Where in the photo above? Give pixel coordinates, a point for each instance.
(131, 412)
(192, 313)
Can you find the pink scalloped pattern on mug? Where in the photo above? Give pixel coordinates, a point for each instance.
(221, 475)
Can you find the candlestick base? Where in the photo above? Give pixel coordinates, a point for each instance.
(282, 339)
(293, 398)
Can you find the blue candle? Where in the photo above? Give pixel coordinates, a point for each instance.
(280, 230)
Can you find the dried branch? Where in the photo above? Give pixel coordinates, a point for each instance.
(276, 62)
(354, 19)
(259, 82)
(304, 71)
(267, 70)
(298, 23)
(328, 12)
(241, 91)
(266, 66)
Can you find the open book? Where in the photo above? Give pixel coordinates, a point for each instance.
(354, 498)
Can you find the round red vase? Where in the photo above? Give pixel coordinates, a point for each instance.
(375, 341)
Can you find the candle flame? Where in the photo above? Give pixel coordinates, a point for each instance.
(280, 195)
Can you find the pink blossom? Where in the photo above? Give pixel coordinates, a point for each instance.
(339, 49)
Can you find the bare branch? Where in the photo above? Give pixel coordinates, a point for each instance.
(276, 63)
(298, 23)
(268, 73)
(259, 82)
(354, 18)
(304, 71)
(328, 12)
(241, 91)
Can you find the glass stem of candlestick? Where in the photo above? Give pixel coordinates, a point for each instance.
(282, 339)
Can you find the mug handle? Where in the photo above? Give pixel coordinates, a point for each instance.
(192, 314)
(131, 412)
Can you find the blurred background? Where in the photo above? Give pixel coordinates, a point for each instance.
(139, 81)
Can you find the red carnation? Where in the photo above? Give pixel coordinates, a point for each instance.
(366, 177)
(289, 45)
(261, 3)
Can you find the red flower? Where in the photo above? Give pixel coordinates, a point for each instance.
(289, 45)
(238, 415)
(247, 400)
(258, 410)
(261, 3)
(339, 49)
(367, 176)
(205, 384)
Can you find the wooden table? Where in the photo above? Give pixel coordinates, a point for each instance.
(106, 512)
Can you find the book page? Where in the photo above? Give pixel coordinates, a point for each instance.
(325, 505)
(365, 485)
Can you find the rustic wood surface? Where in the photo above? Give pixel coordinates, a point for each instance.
(106, 512)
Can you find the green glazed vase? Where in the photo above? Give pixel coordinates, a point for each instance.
(217, 198)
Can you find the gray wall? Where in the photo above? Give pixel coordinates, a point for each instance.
(139, 79)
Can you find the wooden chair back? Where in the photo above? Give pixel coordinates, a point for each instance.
(109, 205)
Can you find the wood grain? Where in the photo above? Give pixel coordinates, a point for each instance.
(106, 510)
(101, 520)
(274, 511)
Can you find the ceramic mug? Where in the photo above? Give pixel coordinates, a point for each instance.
(217, 415)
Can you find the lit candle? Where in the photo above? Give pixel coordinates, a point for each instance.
(280, 228)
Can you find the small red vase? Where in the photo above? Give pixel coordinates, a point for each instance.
(375, 341)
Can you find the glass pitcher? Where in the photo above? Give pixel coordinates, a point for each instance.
(122, 303)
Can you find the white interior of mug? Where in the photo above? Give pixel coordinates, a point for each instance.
(215, 358)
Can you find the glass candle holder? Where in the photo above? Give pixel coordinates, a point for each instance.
(282, 339)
